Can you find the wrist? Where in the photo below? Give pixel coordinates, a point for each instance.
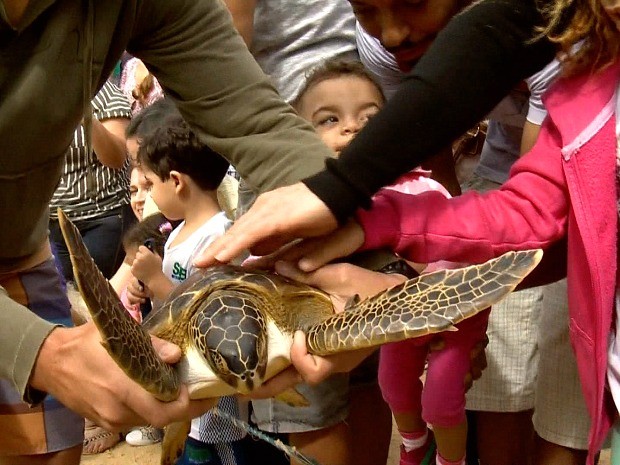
(47, 359)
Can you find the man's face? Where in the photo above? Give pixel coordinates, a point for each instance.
(406, 28)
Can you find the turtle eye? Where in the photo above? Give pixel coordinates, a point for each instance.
(219, 362)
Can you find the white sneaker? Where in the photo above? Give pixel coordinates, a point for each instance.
(144, 436)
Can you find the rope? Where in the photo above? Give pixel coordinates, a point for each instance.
(244, 426)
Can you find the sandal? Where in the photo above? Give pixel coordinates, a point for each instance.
(97, 439)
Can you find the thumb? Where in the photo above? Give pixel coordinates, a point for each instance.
(167, 351)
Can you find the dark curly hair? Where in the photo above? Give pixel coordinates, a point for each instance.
(154, 227)
(331, 69)
(173, 146)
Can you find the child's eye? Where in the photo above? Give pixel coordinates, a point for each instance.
(329, 120)
(132, 191)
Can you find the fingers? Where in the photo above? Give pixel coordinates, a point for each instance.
(167, 351)
(341, 243)
(276, 218)
(281, 382)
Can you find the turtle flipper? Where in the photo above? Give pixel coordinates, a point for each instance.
(428, 304)
(126, 341)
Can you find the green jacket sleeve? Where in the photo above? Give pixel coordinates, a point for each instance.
(202, 63)
(21, 335)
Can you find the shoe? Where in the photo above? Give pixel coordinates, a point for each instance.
(98, 440)
(424, 455)
(144, 436)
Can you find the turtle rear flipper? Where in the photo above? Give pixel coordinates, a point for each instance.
(430, 303)
(125, 340)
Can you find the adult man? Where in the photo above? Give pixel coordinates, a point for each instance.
(55, 55)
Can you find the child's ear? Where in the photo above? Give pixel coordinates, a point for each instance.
(176, 178)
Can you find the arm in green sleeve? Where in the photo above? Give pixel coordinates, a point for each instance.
(21, 335)
(203, 64)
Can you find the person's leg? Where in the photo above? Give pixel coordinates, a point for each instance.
(443, 397)
(48, 432)
(325, 445)
(69, 456)
(504, 437)
(61, 254)
(103, 238)
(318, 430)
(503, 398)
(401, 366)
(560, 418)
(370, 418)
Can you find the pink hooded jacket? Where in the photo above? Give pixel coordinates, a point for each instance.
(565, 186)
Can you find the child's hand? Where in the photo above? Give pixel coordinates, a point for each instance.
(146, 266)
(137, 293)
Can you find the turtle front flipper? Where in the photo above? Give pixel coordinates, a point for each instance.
(430, 303)
(125, 340)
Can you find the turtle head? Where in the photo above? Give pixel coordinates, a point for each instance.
(231, 335)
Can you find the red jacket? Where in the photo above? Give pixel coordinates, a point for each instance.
(565, 186)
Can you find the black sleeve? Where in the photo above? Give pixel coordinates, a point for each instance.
(473, 63)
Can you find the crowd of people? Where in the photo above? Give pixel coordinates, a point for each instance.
(339, 117)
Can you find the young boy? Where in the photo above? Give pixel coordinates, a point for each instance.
(183, 174)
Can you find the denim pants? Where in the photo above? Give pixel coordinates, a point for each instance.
(103, 238)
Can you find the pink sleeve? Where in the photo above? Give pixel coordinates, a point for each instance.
(529, 211)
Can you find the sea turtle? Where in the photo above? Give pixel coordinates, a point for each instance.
(235, 326)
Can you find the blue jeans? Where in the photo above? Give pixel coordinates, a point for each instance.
(103, 238)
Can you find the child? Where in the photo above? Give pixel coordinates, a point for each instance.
(567, 185)
(338, 100)
(155, 229)
(183, 175)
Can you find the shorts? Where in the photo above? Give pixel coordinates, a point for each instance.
(49, 426)
(329, 405)
(560, 414)
(508, 384)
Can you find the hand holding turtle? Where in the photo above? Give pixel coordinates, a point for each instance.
(276, 218)
(74, 367)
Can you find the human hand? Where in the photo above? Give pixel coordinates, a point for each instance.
(74, 367)
(311, 254)
(137, 292)
(276, 218)
(309, 368)
(146, 265)
(342, 281)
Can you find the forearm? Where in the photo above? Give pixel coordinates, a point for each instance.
(22, 334)
(473, 63)
(160, 286)
(203, 64)
(109, 143)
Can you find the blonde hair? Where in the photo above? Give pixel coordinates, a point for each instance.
(570, 22)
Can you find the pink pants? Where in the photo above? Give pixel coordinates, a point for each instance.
(442, 399)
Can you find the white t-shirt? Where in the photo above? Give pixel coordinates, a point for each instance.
(178, 265)
(178, 261)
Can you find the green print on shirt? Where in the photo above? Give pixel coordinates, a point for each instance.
(178, 272)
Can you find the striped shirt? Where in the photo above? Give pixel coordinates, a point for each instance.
(87, 188)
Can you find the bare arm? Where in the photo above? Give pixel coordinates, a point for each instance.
(242, 12)
(109, 141)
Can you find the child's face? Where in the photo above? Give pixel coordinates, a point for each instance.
(138, 189)
(339, 108)
(164, 194)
